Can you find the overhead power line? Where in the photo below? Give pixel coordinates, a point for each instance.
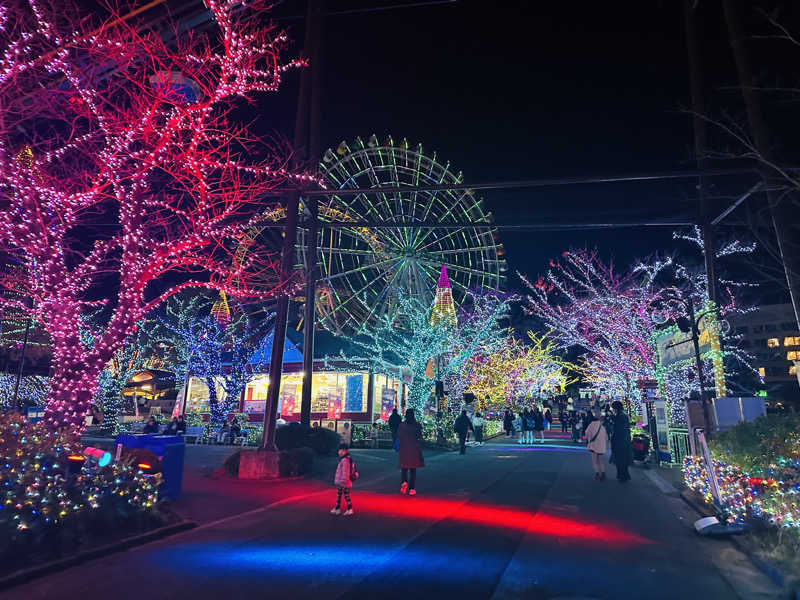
(525, 183)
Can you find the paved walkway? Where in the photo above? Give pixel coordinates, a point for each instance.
(504, 521)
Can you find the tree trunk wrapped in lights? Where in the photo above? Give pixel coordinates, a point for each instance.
(195, 342)
(120, 188)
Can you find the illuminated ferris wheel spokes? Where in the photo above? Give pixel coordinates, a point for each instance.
(364, 268)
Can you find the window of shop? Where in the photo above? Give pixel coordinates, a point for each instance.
(197, 398)
(773, 342)
(791, 341)
(345, 390)
(793, 355)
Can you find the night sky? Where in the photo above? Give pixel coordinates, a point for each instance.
(525, 90)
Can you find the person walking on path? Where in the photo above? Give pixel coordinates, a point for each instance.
(508, 423)
(538, 424)
(409, 452)
(394, 422)
(562, 417)
(621, 442)
(526, 423)
(343, 480)
(462, 427)
(477, 423)
(597, 445)
(548, 418)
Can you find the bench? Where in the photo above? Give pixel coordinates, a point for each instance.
(376, 437)
(194, 432)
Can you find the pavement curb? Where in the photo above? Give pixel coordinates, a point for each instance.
(26, 575)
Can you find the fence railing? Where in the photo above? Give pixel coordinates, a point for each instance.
(679, 446)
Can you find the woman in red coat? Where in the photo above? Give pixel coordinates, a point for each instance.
(409, 450)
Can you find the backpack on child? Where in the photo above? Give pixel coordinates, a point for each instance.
(353, 470)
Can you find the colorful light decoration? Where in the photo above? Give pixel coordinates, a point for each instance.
(514, 369)
(406, 339)
(364, 268)
(589, 304)
(33, 390)
(773, 498)
(46, 481)
(614, 317)
(168, 173)
(201, 346)
(444, 309)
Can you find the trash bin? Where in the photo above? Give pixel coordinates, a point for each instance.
(170, 450)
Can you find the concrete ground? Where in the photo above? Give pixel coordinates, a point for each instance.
(502, 522)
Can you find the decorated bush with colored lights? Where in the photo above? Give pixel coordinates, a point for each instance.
(758, 469)
(55, 502)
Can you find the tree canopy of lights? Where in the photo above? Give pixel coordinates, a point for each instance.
(515, 369)
(410, 341)
(406, 340)
(480, 330)
(613, 316)
(118, 188)
(32, 390)
(215, 347)
(610, 315)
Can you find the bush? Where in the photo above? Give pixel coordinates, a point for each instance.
(294, 435)
(76, 504)
(296, 462)
(767, 446)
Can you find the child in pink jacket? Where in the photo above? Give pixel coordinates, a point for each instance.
(343, 481)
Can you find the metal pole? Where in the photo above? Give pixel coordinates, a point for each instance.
(307, 144)
(21, 363)
(700, 144)
(309, 316)
(185, 393)
(289, 242)
(315, 22)
(699, 362)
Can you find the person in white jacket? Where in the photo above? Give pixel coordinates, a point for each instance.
(597, 444)
(477, 423)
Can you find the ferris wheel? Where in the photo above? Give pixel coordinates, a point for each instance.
(364, 268)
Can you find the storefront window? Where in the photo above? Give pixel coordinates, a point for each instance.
(197, 398)
(347, 391)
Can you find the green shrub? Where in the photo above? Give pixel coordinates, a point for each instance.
(321, 440)
(297, 461)
(769, 445)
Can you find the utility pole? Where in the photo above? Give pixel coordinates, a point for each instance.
(289, 241)
(696, 87)
(315, 25)
(780, 207)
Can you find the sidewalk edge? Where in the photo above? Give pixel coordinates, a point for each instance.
(26, 575)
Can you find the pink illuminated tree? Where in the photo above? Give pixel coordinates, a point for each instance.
(610, 315)
(124, 176)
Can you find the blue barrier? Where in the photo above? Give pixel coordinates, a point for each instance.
(170, 450)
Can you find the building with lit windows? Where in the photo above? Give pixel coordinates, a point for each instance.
(770, 334)
(357, 396)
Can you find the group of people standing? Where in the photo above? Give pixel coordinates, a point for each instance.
(601, 433)
(531, 423)
(614, 432)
